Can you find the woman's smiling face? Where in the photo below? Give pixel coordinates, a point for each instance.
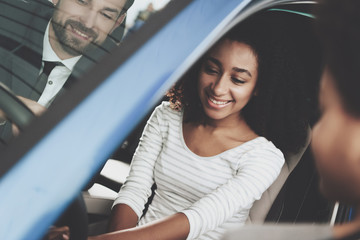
(227, 79)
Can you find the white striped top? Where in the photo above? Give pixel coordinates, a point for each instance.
(215, 193)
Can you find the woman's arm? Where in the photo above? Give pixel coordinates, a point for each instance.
(257, 170)
(129, 205)
(257, 173)
(174, 227)
(122, 217)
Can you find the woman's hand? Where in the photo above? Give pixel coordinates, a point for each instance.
(175, 227)
(58, 233)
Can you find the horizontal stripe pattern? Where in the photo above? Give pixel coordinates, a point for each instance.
(215, 193)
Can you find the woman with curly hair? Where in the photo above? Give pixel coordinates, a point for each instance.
(214, 148)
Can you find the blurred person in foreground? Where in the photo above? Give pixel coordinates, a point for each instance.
(336, 136)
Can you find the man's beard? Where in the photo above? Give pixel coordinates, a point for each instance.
(72, 45)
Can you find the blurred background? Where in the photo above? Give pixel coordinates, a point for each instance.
(140, 11)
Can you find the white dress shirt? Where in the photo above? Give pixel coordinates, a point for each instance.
(58, 75)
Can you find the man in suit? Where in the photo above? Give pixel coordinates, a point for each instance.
(68, 34)
(71, 34)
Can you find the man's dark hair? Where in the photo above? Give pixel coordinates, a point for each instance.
(338, 27)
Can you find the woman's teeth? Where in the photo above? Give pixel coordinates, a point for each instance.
(218, 102)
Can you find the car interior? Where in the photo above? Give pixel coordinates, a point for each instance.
(293, 198)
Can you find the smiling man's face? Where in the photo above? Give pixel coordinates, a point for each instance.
(81, 24)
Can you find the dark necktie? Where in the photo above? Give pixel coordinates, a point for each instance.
(42, 79)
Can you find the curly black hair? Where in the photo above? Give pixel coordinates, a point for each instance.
(281, 109)
(339, 33)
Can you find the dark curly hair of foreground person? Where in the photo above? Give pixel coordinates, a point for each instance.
(281, 109)
(338, 30)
